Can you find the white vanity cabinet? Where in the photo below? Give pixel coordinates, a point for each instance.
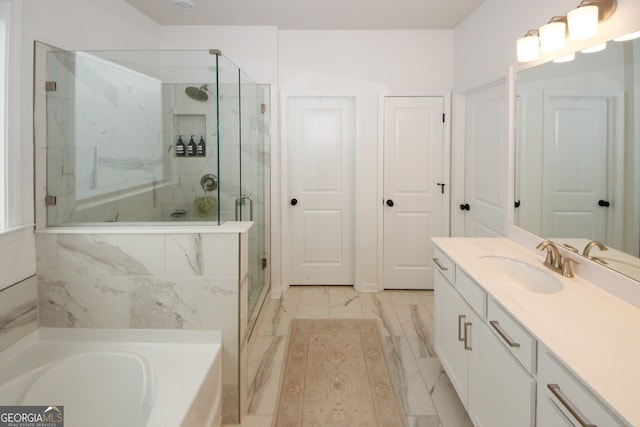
(454, 335)
(565, 401)
(494, 387)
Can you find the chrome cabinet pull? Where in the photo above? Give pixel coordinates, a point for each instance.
(460, 330)
(503, 334)
(467, 334)
(439, 264)
(555, 389)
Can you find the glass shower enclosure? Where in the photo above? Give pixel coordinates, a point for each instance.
(156, 137)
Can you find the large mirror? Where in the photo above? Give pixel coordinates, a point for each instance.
(577, 147)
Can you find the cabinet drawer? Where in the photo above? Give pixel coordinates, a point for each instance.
(444, 264)
(513, 335)
(564, 392)
(471, 292)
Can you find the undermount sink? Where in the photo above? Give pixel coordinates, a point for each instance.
(520, 274)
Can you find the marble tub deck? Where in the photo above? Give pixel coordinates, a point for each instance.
(405, 319)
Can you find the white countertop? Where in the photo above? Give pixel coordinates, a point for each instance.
(594, 333)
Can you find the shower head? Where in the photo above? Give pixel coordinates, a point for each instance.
(197, 93)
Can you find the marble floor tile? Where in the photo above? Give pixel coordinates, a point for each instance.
(276, 315)
(417, 324)
(266, 355)
(377, 306)
(344, 303)
(411, 387)
(312, 311)
(424, 421)
(445, 399)
(254, 421)
(313, 295)
(408, 296)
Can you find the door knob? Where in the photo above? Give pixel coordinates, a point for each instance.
(390, 203)
(294, 202)
(603, 203)
(465, 207)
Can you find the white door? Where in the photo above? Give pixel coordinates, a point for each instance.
(576, 146)
(485, 167)
(321, 145)
(414, 189)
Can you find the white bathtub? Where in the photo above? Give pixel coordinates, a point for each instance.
(138, 378)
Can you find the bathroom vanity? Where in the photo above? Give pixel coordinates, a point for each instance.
(525, 346)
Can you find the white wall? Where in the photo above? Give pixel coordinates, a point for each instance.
(254, 49)
(366, 64)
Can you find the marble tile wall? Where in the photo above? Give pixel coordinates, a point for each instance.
(158, 281)
(103, 131)
(18, 311)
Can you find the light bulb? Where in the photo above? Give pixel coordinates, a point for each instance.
(528, 48)
(583, 22)
(552, 36)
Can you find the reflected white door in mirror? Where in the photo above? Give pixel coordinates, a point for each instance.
(577, 148)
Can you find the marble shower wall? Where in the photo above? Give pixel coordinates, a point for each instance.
(18, 311)
(106, 147)
(150, 280)
(104, 136)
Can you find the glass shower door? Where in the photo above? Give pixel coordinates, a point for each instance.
(245, 171)
(255, 188)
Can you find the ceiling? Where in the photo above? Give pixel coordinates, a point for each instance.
(314, 14)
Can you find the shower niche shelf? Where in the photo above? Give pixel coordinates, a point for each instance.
(190, 126)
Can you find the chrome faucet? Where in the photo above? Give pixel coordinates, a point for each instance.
(591, 245)
(555, 260)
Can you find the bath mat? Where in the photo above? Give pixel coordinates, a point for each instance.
(335, 375)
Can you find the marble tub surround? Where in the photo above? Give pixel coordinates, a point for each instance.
(181, 277)
(427, 397)
(583, 325)
(18, 311)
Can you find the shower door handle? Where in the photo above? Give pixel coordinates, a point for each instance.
(239, 202)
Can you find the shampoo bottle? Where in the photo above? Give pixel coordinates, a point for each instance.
(180, 147)
(191, 148)
(201, 149)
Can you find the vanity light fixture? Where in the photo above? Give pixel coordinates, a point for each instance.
(529, 46)
(184, 4)
(582, 22)
(631, 36)
(552, 35)
(567, 58)
(596, 48)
